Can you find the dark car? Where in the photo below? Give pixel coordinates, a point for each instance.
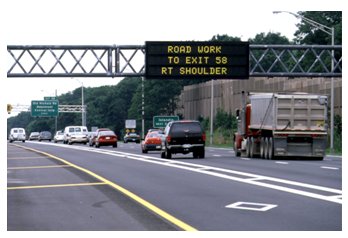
(183, 137)
(45, 135)
(106, 138)
(152, 142)
(131, 137)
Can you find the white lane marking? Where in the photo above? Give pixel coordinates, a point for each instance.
(207, 170)
(332, 168)
(337, 196)
(254, 179)
(280, 162)
(242, 158)
(261, 207)
(217, 155)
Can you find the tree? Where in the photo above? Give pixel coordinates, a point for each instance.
(225, 38)
(308, 34)
(311, 35)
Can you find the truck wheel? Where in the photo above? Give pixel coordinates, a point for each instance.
(236, 152)
(252, 147)
(265, 148)
(262, 149)
(248, 147)
(270, 148)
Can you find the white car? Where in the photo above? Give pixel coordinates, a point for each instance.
(17, 134)
(75, 134)
(59, 136)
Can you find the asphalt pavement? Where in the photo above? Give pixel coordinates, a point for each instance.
(85, 188)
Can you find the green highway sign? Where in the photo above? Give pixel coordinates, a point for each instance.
(162, 121)
(50, 98)
(44, 108)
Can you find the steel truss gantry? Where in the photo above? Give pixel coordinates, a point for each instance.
(129, 61)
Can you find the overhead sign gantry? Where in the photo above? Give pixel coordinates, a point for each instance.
(129, 61)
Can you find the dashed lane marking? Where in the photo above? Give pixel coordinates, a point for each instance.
(280, 162)
(40, 167)
(332, 168)
(24, 158)
(56, 185)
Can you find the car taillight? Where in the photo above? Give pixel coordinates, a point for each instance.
(203, 137)
(168, 139)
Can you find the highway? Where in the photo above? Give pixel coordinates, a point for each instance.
(76, 187)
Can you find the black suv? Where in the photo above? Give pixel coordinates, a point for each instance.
(183, 137)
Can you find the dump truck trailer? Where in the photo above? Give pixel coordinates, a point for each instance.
(274, 125)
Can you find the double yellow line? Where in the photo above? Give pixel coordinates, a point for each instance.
(184, 226)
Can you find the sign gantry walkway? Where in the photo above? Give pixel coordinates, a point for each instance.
(61, 108)
(129, 61)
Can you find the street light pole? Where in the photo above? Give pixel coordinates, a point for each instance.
(83, 106)
(330, 31)
(83, 111)
(212, 112)
(142, 109)
(56, 118)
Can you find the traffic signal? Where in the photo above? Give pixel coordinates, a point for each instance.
(9, 108)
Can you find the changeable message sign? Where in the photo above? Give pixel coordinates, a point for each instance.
(44, 108)
(197, 60)
(162, 121)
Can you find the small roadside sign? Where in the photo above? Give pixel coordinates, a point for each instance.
(131, 124)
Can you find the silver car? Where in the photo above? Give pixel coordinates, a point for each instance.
(45, 135)
(59, 136)
(34, 136)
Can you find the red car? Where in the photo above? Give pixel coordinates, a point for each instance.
(93, 135)
(153, 141)
(106, 138)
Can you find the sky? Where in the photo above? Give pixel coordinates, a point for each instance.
(128, 22)
(131, 22)
(103, 22)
